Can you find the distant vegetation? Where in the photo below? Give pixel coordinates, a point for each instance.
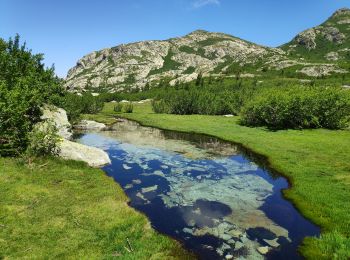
(299, 107)
(124, 107)
(76, 105)
(278, 107)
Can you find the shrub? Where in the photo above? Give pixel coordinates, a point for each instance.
(193, 101)
(299, 107)
(128, 107)
(76, 105)
(160, 106)
(118, 107)
(43, 140)
(25, 85)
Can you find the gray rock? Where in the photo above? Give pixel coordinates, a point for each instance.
(332, 56)
(332, 34)
(307, 38)
(272, 243)
(321, 70)
(58, 117)
(263, 250)
(94, 157)
(235, 233)
(89, 125)
(231, 242)
(238, 245)
(225, 237)
(149, 189)
(187, 230)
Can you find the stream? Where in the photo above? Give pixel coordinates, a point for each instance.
(214, 197)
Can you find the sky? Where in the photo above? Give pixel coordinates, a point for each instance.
(66, 30)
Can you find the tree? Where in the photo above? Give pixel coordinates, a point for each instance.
(199, 79)
(25, 85)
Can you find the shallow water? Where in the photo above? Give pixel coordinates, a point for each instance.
(204, 192)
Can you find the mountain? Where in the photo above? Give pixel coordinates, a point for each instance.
(328, 41)
(318, 51)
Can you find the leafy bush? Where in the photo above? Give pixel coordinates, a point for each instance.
(128, 108)
(25, 85)
(43, 140)
(118, 107)
(193, 101)
(160, 106)
(299, 107)
(76, 105)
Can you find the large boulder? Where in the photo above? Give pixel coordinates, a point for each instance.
(58, 117)
(94, 157)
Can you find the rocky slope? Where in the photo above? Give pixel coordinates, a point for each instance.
(328, 41)
(314, 52)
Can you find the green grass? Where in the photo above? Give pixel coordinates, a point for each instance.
(67, 210)
(317, 163)
(189, 70)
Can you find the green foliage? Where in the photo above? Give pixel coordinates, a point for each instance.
(118, 107)
(189, 70)
(128, 107)
(130, 79)
(199, 80)
(43, 140)
(160, 106)
(212, 41)
(190, 50)
(84, 104)
(299, 107)
(25, 85)
(192, 101)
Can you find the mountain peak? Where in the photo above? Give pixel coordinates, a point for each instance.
(199, 31)
(341, 12)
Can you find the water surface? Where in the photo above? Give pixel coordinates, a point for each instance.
(204, 192)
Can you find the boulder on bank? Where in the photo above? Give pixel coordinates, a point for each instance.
(94, 157)
(58, 117)
(89, 125)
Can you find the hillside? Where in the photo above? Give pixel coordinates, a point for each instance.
(329, 41)
(320, 51)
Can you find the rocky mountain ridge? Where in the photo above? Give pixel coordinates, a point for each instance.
(314, 52)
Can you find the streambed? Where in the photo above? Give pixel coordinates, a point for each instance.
(204, 192)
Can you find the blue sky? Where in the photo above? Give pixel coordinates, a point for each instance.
(66, 30)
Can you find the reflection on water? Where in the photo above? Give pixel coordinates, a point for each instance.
(203, 192)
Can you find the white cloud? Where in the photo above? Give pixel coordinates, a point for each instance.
(201, 3)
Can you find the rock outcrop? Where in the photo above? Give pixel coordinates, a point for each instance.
(58, 117)
(332, 35)
(94, 157)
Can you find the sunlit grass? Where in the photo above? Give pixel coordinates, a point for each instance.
(64, 209)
